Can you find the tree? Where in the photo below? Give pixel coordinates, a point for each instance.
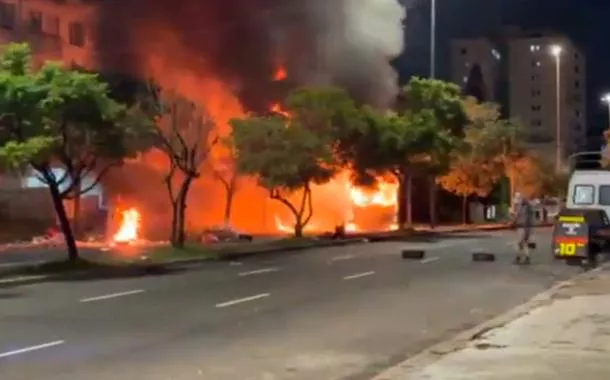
(468, 177)
(63, 125)
(444, 99)
(328, 111)
(225, 172)
(286, 158)
(400, 145)
(493, 139)
(475, 84)
(184, 132)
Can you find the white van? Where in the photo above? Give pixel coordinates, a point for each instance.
(589, 185)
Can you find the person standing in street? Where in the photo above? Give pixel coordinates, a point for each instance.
(523, 221)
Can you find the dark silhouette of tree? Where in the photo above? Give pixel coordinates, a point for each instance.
(475, 85)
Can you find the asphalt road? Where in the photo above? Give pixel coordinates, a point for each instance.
(332, 313)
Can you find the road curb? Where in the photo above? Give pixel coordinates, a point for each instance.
(436, 352)
(229, 256)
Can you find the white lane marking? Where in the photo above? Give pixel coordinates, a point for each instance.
(359, 275)
(30, 349)
(242, 300)
(22, 264)
(429, 260)
(235, 263)
(113, 295)
(342, 258)
(22, 278)
(258, 271)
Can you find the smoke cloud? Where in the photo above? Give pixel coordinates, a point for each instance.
(241, 42)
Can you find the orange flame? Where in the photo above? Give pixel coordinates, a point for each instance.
(277, 108)
(280, 74)
(129, 227)
(344, 192)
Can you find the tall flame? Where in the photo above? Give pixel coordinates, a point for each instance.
(348, 197)
(280, 74)
(129, 227)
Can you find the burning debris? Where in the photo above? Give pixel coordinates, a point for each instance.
(128, 228)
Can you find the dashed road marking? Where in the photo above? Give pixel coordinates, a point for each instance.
(113, 295)
(242, 300)
(359, 275)
(341, 258)
(11, 280)
(30, 349)
(429, 260)
(258, 271)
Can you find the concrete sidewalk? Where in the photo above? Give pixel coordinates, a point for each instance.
(564, 335)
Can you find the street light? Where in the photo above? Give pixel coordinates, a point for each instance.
(556, 51)
(432, 39)
(606, 101)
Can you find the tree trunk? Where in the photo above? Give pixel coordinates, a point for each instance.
(464, 209)
(228, 206)
(401, 212)
(298, 228)
(76, 208)
(182, 197)
(175, 217)
(64, 222)
(432, 200)
(409, 201)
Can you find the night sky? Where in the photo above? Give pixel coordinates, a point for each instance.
(586, 22)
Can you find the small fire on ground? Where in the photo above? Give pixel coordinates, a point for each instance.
(129, 227)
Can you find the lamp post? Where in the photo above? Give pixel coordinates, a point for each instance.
(606, 101)
(556, 51)
(432, 39)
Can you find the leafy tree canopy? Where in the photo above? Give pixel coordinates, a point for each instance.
(443, 98)
(281, 156)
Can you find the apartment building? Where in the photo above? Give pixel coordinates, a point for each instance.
(547, 91)
(476, 66)
(55, 29)
(525, 65)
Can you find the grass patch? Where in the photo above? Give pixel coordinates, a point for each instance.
(218, 250)
(66, 266)
(190, 251)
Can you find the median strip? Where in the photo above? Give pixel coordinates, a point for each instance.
(30, 349)
(359, 275)
(242, 300)
(113, 295)
(258, 271)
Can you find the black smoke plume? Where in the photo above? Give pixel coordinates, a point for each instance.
(344, 42)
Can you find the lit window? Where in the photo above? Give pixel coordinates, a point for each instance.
(584, 195)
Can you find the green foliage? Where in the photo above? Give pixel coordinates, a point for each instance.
(282, 157)
(54, 117)
(443, 98)
(59, 116)
(399, 144)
